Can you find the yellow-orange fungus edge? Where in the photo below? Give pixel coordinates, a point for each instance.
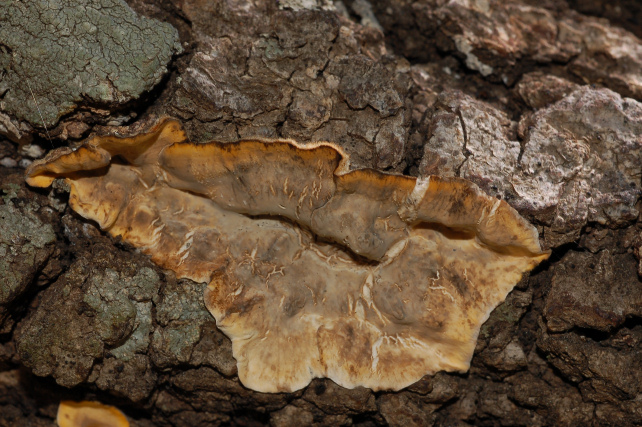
(313, 270)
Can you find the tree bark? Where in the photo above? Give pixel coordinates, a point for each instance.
(538, 103)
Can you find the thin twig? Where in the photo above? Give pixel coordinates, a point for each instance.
(40, 113)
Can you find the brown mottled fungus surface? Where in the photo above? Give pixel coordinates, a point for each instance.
(89, 414)
(368, 279)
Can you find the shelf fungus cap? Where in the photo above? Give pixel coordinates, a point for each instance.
(367, 278)
(89, 414)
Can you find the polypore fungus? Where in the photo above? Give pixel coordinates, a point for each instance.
(366, 278)
(89, 414)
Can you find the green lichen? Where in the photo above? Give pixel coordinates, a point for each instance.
(182, 302)
(66, 51)
(9, 191)
(182, 313)
(123, 309)
(142, 290)
(89, 313)
(115, 314)
(138, 341)
(23, 245)
(56, 341)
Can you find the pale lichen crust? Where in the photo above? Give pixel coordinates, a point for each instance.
(314, 270)
(56, 55)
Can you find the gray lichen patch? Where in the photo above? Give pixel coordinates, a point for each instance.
(180, 314)
(186, 332)
(26, 243)
(71, 52)
(138, 341)
(94, 315)
(123, 304)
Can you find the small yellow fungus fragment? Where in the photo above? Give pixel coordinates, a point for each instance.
(89, 414)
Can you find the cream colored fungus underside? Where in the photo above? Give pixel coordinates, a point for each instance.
(367, 279)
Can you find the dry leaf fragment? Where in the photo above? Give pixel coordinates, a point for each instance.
(365, 278)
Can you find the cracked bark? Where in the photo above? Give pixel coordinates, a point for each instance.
(548, 127)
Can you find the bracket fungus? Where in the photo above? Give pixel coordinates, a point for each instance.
(89, 414)
(366, 278)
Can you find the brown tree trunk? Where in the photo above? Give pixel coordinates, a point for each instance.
(538, 103)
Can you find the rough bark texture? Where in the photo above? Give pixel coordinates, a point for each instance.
(538, 102)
